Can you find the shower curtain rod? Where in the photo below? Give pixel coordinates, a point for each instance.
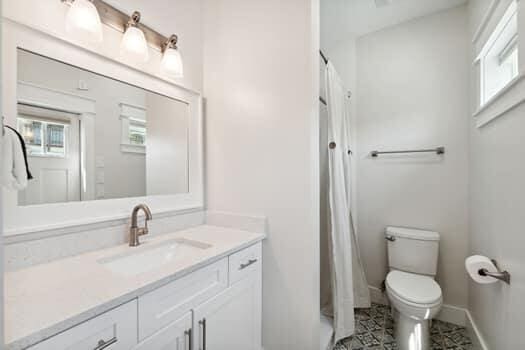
(323, 57)
(325, 60)
(321, 99)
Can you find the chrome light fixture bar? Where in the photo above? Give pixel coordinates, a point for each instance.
(119, 20)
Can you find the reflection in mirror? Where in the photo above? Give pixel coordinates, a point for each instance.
(90, 137)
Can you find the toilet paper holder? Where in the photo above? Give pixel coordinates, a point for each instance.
(500, 275)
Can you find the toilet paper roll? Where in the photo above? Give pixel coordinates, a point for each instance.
(477, 262)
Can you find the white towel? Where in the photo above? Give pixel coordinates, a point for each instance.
(14, 172)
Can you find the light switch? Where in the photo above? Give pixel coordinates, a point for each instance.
(83, 85)
(99, 161)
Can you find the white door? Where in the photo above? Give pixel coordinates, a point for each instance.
(176, 336)
(231, 320)
(53, 146)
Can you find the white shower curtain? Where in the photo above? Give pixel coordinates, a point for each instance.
(349, 286)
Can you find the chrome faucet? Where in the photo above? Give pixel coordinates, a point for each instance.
(134, 231)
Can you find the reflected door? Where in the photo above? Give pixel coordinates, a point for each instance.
(53, 147)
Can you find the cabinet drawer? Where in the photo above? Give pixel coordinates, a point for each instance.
(169, 303)
(245, 262)
(116, 328)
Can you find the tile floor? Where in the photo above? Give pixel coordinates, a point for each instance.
(375, 331)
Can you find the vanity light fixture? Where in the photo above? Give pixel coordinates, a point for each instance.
(83, 21)
(134, 45)
(171, 63)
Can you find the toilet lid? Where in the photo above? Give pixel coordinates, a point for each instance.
(414, 288)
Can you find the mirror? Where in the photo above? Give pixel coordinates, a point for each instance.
(90, 137)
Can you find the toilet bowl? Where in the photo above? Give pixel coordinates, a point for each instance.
(413, 293)
(416, 299)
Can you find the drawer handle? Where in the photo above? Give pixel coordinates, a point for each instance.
(190, 338)
(104, 344)
(203, 325)
(250, 262)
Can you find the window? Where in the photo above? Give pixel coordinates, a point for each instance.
(499, 56)
(137, 133)
(134, 128)
(42, 137)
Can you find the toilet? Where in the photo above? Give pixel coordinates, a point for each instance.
(414, 295)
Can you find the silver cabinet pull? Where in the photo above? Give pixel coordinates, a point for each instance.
(202, 324)
(104, 344)
(189, 334)
(250, 262)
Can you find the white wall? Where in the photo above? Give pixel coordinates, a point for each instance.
(412, 92)
(262, 135)
(496, 216)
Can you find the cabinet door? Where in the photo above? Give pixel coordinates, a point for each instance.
(231, 320)
(176, 336)
(113, 330)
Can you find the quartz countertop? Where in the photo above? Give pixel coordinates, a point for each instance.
(44, 300)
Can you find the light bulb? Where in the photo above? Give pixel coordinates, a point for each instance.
(134, 45)
(83, 21)
(171, 63)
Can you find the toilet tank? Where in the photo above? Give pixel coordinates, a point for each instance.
(412, 250)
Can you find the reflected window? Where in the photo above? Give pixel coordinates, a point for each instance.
(137, 133)
(134, 128)
(44, 138)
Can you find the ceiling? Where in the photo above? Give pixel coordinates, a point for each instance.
(341, 19)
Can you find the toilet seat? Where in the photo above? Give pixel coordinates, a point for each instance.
(413, 288)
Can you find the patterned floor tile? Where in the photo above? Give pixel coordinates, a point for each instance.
(375, 331)
(368, 339)
(390, 346)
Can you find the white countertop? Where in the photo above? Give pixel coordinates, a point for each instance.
(44, 300)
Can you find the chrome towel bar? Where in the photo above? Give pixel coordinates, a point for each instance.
(438, 150)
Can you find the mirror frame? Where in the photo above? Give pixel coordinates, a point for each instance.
(20, 220)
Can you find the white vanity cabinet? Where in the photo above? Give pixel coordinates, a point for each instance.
(232, 319)
(115, 330)
(215, 307)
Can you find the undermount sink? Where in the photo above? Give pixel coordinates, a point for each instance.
(154, 256)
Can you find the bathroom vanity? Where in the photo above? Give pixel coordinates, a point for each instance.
(102, 136)
(194, 289)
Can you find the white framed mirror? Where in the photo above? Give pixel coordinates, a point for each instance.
(100, 136)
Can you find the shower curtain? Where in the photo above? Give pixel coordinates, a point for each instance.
(348, 281)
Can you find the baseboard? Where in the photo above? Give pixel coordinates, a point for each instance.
(478, 343)
(377, 296)
(449, 313)
(453, 314)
